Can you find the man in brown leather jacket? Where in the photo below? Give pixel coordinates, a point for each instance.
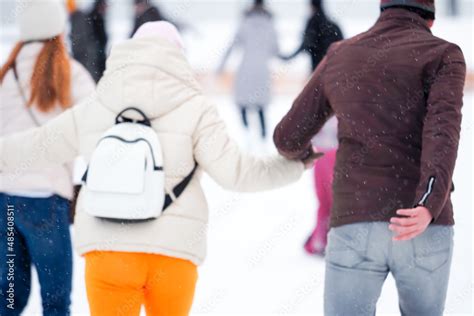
(397, 92)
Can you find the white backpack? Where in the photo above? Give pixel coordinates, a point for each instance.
(125, 180)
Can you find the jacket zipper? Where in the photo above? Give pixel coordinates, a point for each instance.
(429, 190)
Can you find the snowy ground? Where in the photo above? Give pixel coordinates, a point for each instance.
(256, 264)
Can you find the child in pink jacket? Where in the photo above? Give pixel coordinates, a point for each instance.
(325, 141)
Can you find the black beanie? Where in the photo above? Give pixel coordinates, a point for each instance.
(427, 6)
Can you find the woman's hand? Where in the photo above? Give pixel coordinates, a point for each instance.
(309, 161)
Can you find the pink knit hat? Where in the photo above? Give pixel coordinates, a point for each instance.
(162, 29)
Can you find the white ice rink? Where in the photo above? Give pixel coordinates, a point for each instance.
(256, 264)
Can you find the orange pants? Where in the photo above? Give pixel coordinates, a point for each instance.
(119, 283)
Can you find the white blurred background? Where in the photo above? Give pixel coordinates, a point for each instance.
(256, 264)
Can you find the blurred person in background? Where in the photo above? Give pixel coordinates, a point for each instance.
(398, 104)
(453, 6)
(326, 142)
(38, 82)
(89, 36)
(145, 11)
(154, 262)
(319, 34)
(257, 38)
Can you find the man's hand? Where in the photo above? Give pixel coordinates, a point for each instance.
(413, 222)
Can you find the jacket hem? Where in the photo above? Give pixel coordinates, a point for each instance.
(373, 217)
(82, 250)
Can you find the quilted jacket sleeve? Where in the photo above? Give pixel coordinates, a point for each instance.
(233, 169)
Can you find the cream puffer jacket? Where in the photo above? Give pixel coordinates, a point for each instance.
(153, 75)
(14, 117)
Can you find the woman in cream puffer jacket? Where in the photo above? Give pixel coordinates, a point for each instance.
(151, 73)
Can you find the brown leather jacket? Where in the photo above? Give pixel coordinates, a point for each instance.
(397, 92)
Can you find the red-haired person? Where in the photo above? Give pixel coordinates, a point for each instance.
(38, 82)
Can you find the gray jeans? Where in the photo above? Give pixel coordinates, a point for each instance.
(360, 256)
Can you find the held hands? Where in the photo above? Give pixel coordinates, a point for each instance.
(412, 223)
(309, 161)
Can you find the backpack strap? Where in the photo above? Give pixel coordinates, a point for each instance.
(179, 188)
(23, 95)
(121, 119)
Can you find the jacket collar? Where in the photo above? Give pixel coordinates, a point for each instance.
(410, 19)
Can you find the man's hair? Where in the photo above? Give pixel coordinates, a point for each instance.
(423, 13)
